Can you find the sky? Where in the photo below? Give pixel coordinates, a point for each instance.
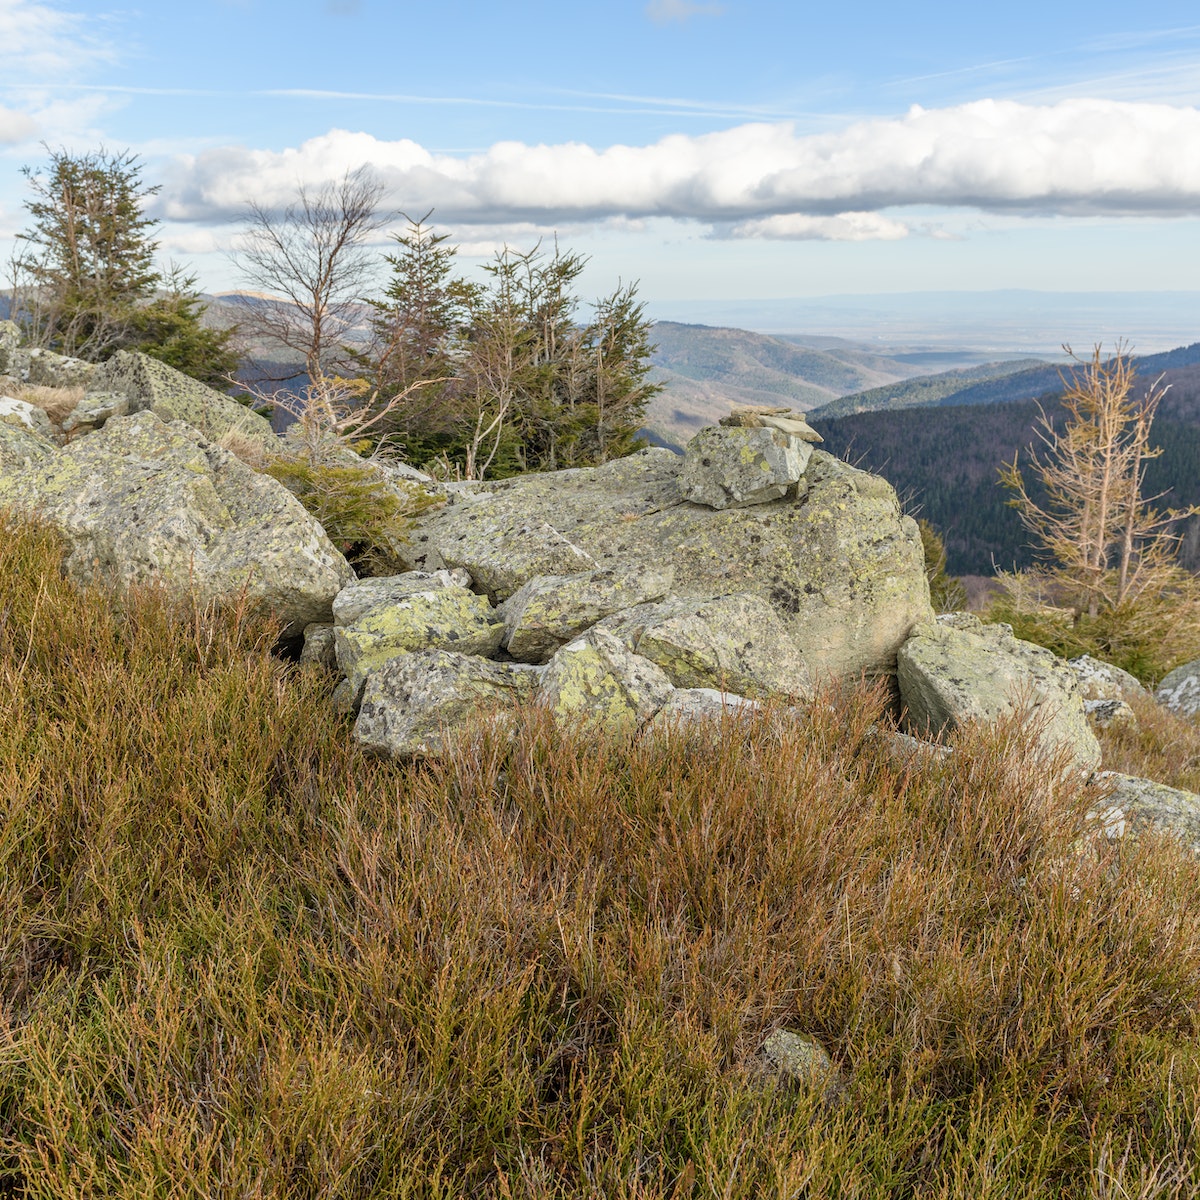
(715, 151)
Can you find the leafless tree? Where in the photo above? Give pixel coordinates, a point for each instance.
(1108, 542)
(312, 268)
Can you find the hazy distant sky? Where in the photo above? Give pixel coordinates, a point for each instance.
(739, 148)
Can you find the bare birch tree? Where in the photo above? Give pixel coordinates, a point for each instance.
(312, 267)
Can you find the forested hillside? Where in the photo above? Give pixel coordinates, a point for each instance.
(944, 461)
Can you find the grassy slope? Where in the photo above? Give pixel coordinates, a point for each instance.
(239, 958)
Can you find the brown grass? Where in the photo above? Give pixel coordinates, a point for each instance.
(238, 958)
(56, 403)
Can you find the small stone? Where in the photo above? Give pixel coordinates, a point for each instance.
(798, 1058)
(319, 645)
(1106, 713)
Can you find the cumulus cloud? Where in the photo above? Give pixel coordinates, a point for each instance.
(1082, 157)
(663, 12)
(845, 227)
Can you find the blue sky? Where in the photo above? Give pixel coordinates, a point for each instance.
(722, 150)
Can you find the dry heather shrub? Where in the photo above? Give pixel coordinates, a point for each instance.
(56, 403)
(248, 449)
(1160, 746)
(238, 958)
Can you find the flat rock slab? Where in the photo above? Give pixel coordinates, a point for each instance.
(362, 596)
(959, 671)
(686, 706)
(549, 611)
(413, 704)
(599, 680)
(839, 564)
(22, 415)
(144, 501)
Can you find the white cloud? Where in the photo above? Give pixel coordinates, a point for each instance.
(662, 12)
(1076, 157)
(16, 126)
(41, 41)
(844, 227)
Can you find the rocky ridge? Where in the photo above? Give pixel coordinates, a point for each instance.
(647, 591)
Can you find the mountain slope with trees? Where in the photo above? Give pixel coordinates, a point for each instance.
(945, 463)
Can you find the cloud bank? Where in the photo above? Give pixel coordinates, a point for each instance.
(1075, 158)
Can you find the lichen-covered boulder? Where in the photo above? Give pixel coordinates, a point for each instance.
(1150, 806)
(1104, 714)
(551, 610)
(445, 618)
(954, 672)
(685, 706)
(94, 409)
(1179, 690)
(154, 386)
(47, 369)
(21, 448)
(144, 501)
(362, 596)
(838, 562)
(1100, 680)
(731, 468)
(22, 415)
(598, 679)
(410, 705)
(10, 339)
(734, 643)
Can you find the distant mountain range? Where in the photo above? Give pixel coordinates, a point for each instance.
(705, 369)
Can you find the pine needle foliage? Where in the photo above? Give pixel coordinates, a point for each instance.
(240, 958)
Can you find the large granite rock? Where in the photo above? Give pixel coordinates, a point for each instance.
(21, 448)
(1150, 806)
(732, 468)
(1100, 680)
(152, 385)
(47, 369)
(839, 564)
(735, 643)
(413, 703)
(440, 618)
(551, 610)
(23, 415)
(146, 501)
(687, 706)
(954, 671)
(599, 680)
(1179, 690)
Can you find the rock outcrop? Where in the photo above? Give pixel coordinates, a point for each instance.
(148, 384)
(146, 501)
(958, 669)
(1179, 690)
(413, 702)
(21, 448)
(840, 566)
(1154, 807)
(599, 680)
